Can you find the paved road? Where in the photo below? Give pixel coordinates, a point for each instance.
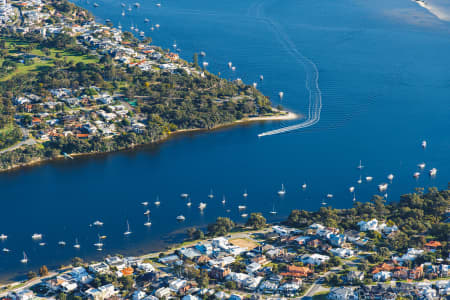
(26, 141)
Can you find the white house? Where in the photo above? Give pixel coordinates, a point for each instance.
(253, 267)
(368, 226)
(314, 259)
(382, 276)
(342, 293)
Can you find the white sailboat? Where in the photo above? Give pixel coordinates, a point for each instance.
(3, 237)
(324, 202)
(230, 64)
(390, 177)
(416, 175)
(282, 191)
(242, 207)
(223, 199)
(281, 95)
(369, 178)
(128, 232)
(189, 203)
(354, 197)
(421, 166)
(62, 243)
(148, 223)
(211, 194)
(360, 166)
(359, 180)
(98, 223)
(261, 77)
(424, 144)
(245, 194)
(24, 260)
(202, 206)
(145, 203)
(184, 195)
(351, 189)
(329, 196)
(157, 202)
(304, 186)
(273, 212)
(76, 245)
(99, 244)
(147, 212)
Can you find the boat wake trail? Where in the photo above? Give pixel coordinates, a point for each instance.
(312, 76)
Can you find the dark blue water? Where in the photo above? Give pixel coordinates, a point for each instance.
(385, 80)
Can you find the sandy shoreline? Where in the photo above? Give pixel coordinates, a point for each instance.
(281, 116)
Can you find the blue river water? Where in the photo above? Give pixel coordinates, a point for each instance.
(385, 81)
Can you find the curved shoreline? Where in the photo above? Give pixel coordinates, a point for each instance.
(281, 116)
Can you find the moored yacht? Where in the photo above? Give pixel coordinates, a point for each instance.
(390, 177)
(421, 166)
(98, 223)
(369, 178)
(36, 236)
(61, 243)
(202, 205)
(424, 144)
(282, 191)
(242, 207)
(416, 175)
(359, 180)
(184, 195)
(180, 218)
(281, 95)
(382, 187)
(211, 194)
(351, 189)
(3, 237)
(76, 245)
(147, 212)
(304, 186)
(148, 223)
(433, 172)
(128, 232)
(24, 260)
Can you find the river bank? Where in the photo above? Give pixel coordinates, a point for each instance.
(279, 116)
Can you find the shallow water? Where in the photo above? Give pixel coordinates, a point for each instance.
(385, 83)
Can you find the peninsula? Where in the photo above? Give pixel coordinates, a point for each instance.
(72, 86)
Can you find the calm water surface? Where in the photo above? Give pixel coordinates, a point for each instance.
(385, 80)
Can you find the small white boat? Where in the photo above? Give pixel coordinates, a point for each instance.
(202, 53)
(3, 237)
(157, 26)
(158, 4)
(36, 236)
(174, 45)
(184, 195)
(145, 203)
(273, 212)
(329, 196)
(304, 186)
(157, 202)
(351, 189)
(211, 194)
(146, 20)
(98, 223)
(359, 180)
(61, 243)
(360, 166)
(99, 244)
(421, 166)
(245, 194)
(180, 218)
(128, 232)
(281, 95)
(123, 4)
(324, 202)
(416, 175)
(148, 223)
(42, 244)
(244, 215)
(205, 64)
(123, 13)
(224, 200)
(152, 28)
(189, 203)
(24, 260)
(142, 34)
(6, 250)
(76, 245)
(202, 205)
(255, 85)
(230, 64)
(424, 144)
(390, 177)
(242, 207)
(282, 191)
(382, 187)
(233, 68)
(369, 178)
(261, 77)
(354, 197)
(433, 172)
(147, 212)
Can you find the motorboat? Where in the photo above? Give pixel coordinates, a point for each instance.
(382, 187)
(36, 236)
(180, 218)
(433, 172)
